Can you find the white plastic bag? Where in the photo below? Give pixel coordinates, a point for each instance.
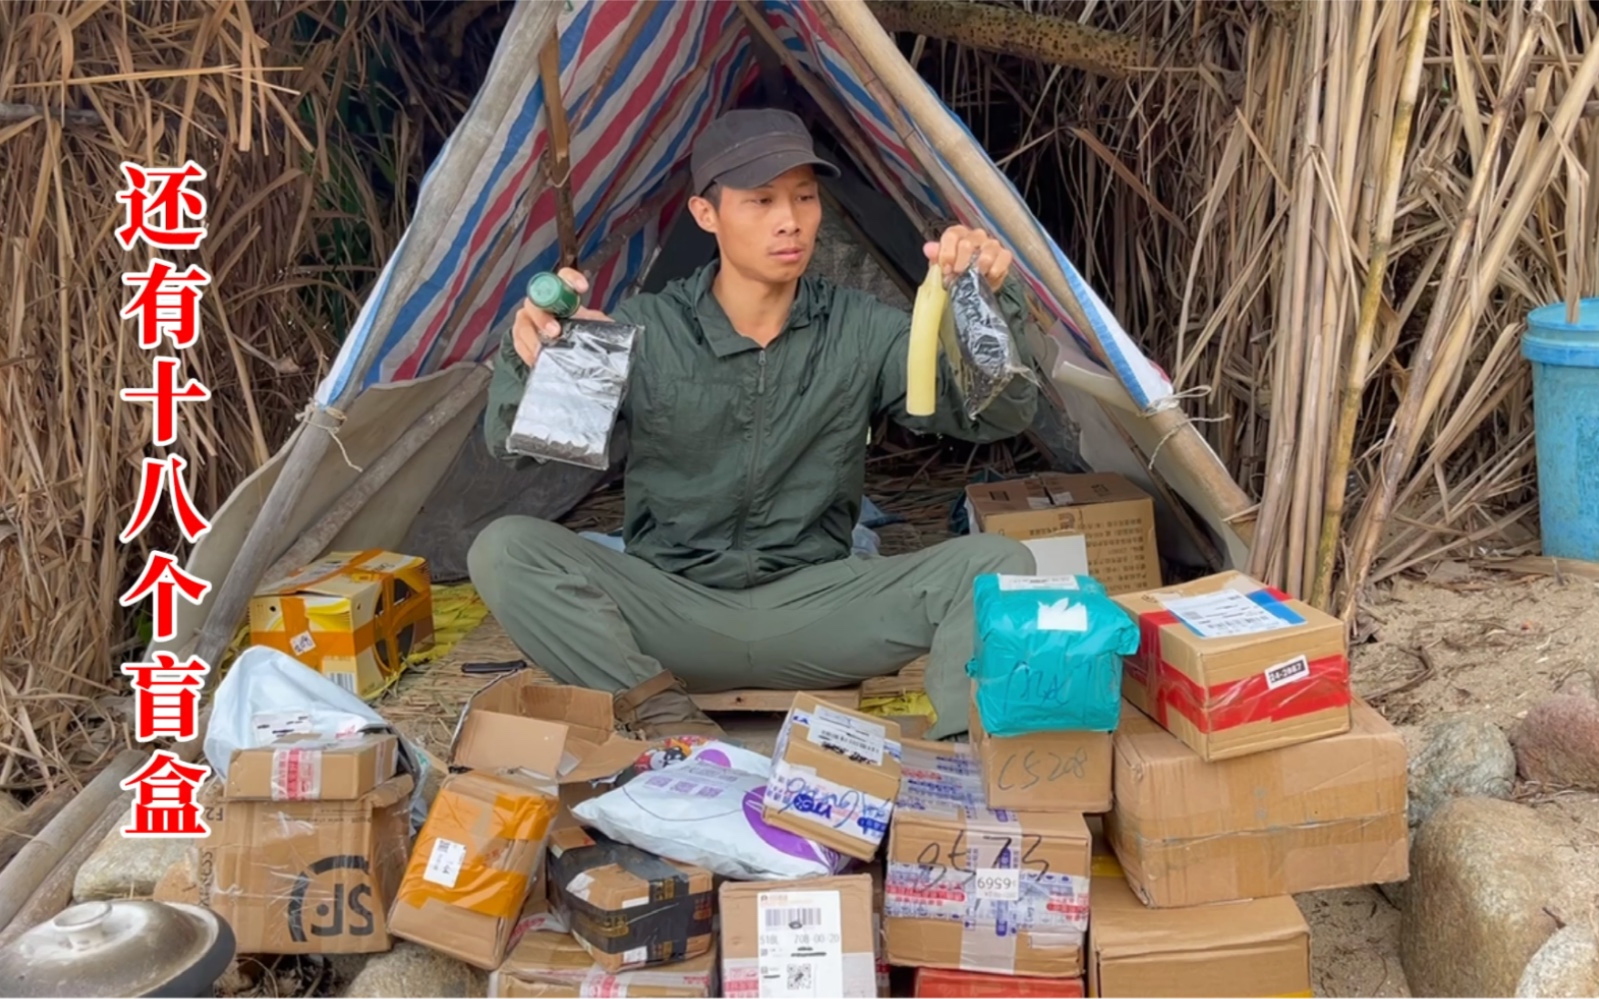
(267, 694)
(706, 810)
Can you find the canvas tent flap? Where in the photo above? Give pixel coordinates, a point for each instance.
(638, 81)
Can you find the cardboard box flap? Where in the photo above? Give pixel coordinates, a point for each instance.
(1123, 927)
(1052, 489)
(1229, 611)
(561, 732)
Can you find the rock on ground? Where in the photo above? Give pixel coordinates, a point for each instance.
(1464, 755)
(1558, 742)
(1566, 965)
(410, 969)
(1482, 874)
(123, 867)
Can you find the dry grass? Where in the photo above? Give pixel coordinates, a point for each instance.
(1231, 205)
(314, 122)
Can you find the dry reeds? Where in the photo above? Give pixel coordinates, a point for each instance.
(1334, 226)
(314, 122)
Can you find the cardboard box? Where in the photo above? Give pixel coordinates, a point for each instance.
(1320, 815)
(568, 734)
(354, 616)
(1115, 517)
(473, 866)
(304, 877)
(1044, 771)
(938, 983)
(1255, 948)
(809, 936)
(544, 965)
(1232, 667)
(970, 888)
(835, 774)
(309, 768)
(629, 908)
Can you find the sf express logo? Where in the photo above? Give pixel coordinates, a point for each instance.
(340, 905)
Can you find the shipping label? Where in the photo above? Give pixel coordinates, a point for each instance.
(801, 944)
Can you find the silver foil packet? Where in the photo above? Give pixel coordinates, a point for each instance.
(573, 394)
(978, 343)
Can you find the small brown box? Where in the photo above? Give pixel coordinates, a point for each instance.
(546, 965)
(1045, 771)
(1115, 518)
(820, 928)
(835, 774)
(310, 768)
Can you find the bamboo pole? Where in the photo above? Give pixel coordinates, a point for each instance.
(1416, 403)
(21, 830)
(1371, 297)
(54, 891)
(558, 154)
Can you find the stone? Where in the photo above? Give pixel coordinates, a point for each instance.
(409, 969)
(1463, 755)
(1566, 965)
(124, 867)
(1483, 872)
(1557, 744)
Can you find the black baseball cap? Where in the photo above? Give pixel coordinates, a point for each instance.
(750, 147)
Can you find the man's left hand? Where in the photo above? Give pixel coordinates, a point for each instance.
(959, 246)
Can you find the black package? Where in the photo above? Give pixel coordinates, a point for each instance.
(977, 342)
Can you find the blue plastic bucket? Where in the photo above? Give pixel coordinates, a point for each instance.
(1565, 398)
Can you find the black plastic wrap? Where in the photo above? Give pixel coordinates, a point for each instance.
(574, 393)
(977, 342)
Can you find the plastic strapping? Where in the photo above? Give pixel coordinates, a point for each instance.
(297, 773)
(990, 944)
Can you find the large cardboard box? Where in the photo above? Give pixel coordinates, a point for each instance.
(1256, 948)
(310, 768)
(629, 908)
(1116, 518)
(978, 889)
(1044, 771)
(353, 616)
(567, 734)
(304, 877)
(473, 866)
(1232, 667)
(835, 774)
(1319, 815)
(546, 965)
(809, 936)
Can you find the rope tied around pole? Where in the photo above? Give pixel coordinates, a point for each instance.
(329, 419)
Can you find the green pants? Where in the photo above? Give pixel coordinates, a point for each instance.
(594, 617)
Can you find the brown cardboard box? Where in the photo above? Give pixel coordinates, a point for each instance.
(309, 768)
(1233, 667)
(474, 865)
(305, 877)
(810, 934)
(629, 908)
(1116, 518)
(546, 965)
(353, 616)
(1044, 771)
(1255, 948)
(566, 733)
(971, 888)
(835, 774)
(1320, 815)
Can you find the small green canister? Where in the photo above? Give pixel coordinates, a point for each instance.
(550, 293)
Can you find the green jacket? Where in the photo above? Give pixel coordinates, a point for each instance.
(744, 463)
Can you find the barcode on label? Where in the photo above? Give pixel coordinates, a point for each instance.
(792, 918)
(345, 680)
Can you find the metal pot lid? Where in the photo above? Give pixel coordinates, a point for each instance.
(128, 947)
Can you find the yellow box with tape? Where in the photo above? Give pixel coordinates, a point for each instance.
(1259, 947)
(353, 616)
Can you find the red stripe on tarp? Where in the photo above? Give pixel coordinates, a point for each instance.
(1223, 706)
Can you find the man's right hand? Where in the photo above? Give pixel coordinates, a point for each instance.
(531, 320)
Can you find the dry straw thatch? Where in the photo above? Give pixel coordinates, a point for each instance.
(314, 122)
(1329, 234)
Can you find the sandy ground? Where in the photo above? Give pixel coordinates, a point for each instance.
(1462, 640)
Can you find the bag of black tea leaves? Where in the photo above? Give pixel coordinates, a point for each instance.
(574, 393)
(977, 341)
